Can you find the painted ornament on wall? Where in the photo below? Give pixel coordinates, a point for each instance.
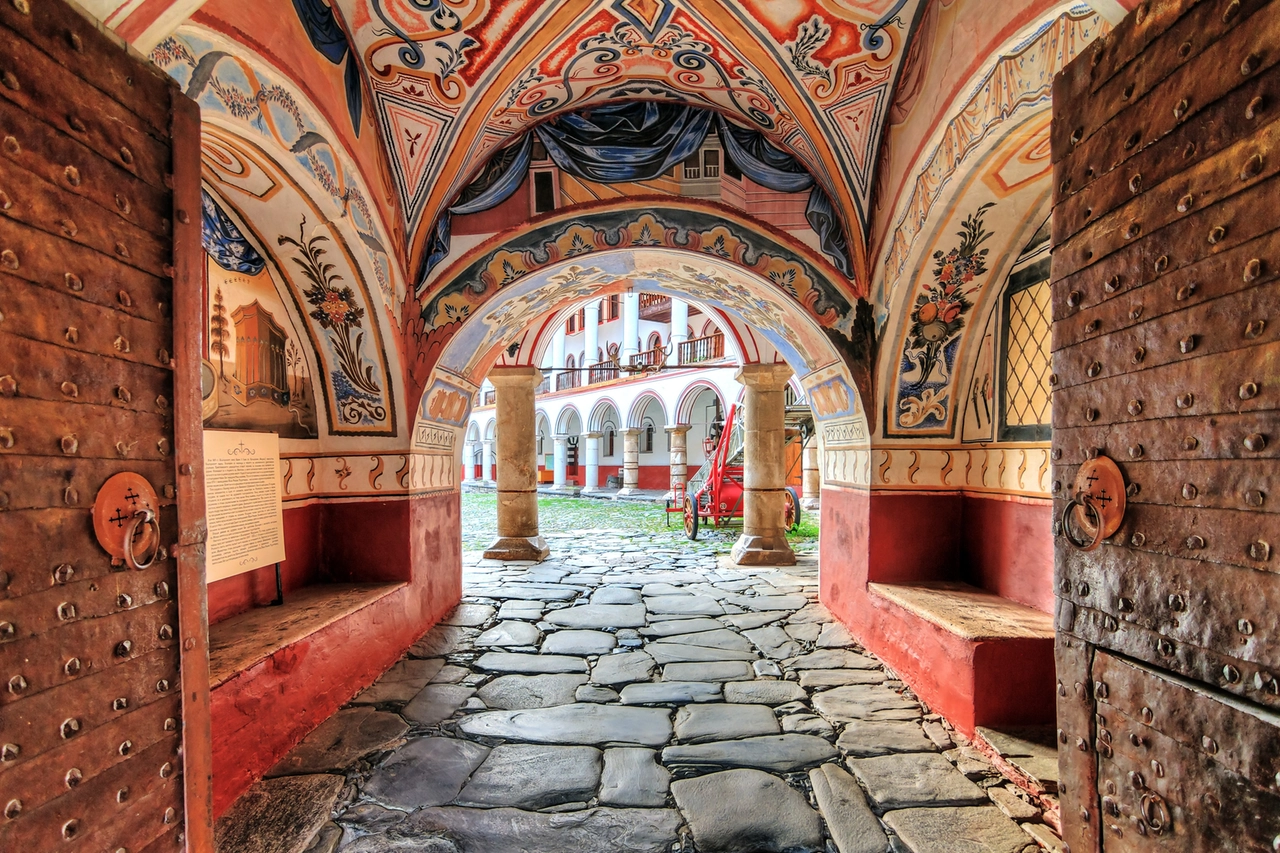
(256, 375)
(937, 319)
(333, 306)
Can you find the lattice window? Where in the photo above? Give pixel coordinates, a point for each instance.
(1026, 363)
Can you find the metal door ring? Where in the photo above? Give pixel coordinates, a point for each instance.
(1085, 501)
(141, 519)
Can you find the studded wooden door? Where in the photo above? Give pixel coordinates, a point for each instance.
(104, 733)
(1166, 360)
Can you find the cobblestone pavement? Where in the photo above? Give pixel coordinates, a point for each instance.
(619, 698)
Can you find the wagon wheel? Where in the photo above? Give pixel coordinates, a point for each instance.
(790, 510)
(691, 517)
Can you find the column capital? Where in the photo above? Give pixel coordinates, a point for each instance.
(678, 429)
(764, 377)
(593, 435)
(514, 377)
(630, 431)
(561, 436)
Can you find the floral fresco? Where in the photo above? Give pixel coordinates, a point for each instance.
(937, 318)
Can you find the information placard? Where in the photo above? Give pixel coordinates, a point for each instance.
(242, 501)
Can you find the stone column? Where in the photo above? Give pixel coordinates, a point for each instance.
(518, 537)
(630, 326)
(812, 476)
(630, 461)
(560, 449)
(486, 461)
(468, 462)
(591, 480)
(592, 344)
(679, 322)
(763, 540)
(677, 444)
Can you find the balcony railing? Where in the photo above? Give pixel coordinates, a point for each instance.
(698, 350)
(649, 358)
(655, 307)
(602, 373)
(544, 387)
(568, 379)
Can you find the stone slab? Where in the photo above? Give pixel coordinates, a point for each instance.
(722, 721)
(779, 753)
(835, 636)
(533, 776)
(578, 642)
(1013, 806)
(864, 702)
(278, 815)
(402, 682)
(436, 703)
(850, 821)
(591, 693)
(674, 627)
(916, 779)
(622, 668)
(510, 633)
(511, 662)
(773, 642)
(730, 670)
(599, 616)
(341, 740)
(549, 592)
(518, 609)
(469, 615)
(808, 724)
(761, 692)
(869, 738)
(444, 640)
(579, 723)
(633, 777)
(664, 652)
(427, 772)
(615, 595)
(959, 830)
(747, 810)
(746, 621)
(684, 605)
(832, 659)
(598, 830)
(817, 679)
(768, 603)
(721, 638)
(517, 692)
(670, 693)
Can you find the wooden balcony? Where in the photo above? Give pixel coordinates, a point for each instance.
(568, 379)
(649, 358)
(655, 307)
(544, 387)
(698, 350)
(602, 373)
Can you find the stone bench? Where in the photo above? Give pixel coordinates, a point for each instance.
(974, 657)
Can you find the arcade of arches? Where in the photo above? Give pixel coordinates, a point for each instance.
(1016, 263)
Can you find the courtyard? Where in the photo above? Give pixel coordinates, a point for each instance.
(635, 692)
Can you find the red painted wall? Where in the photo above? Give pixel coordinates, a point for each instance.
(263, 712)
(234, 595)
(921, 537)
(1009, 546)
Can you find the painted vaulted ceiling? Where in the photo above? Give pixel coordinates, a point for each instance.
(913, 117)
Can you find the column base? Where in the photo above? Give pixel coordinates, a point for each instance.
(518, 548)
(762, 551)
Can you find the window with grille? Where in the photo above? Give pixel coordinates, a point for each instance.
(646, 437)
(610, 435)
(1025, 406)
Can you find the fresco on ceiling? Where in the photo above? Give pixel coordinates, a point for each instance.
(937, 318)
(322, 277)
(447, 92)
(331, 42)
(257, 373)
(683, 227)
(1019, 82)
(263, 105)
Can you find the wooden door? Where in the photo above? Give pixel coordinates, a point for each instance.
(104, 730)
(1167, 361)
